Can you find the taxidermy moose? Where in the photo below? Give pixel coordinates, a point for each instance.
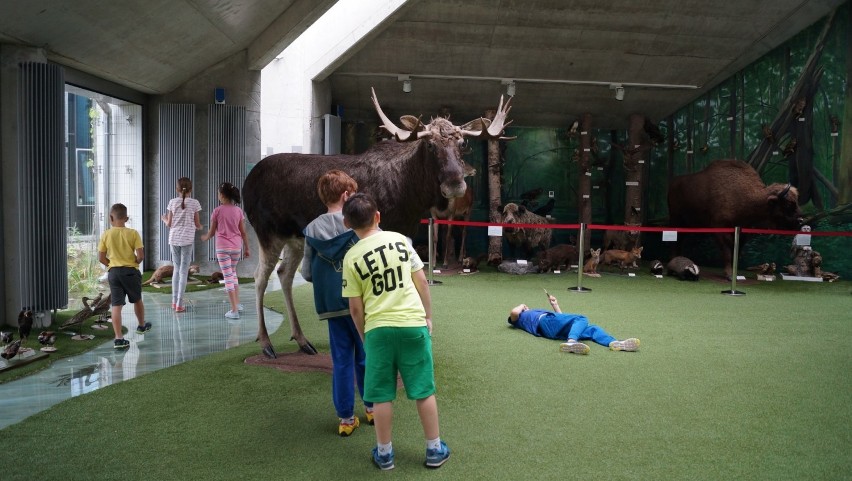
(405, 176)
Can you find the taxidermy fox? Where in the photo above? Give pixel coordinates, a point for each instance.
(622, 258)
(591, 266)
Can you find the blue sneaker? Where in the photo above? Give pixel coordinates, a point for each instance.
(435, 458)
(383, 462)
(143, 329)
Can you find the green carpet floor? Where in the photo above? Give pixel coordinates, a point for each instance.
(752, 387)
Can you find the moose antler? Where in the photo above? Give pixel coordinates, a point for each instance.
(493, 128)
(401, 135)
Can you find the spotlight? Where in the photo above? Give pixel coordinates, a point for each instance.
(619, 91)
(406, 82)
(510, 86)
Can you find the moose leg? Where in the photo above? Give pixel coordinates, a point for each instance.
(448, 246)
(292, 253)
(268, 256)
(461, 248)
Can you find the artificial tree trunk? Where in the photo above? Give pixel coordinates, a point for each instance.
(584, 189)
(634, 171)
(495, 172)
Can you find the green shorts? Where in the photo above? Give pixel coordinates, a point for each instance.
(407, 350)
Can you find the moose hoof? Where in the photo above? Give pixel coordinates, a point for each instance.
(269, 352)
(308, 348)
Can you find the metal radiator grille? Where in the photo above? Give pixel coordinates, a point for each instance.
(177, 151)
(226, 150)
(42, 233)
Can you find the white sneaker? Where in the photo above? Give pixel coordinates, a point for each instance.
(240, 308)
(574, 347)
(232, 315)
(627, 345)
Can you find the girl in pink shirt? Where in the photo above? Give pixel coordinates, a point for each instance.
(228, 224)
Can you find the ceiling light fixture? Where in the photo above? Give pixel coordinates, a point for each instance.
(505, 81)
(406, 82)
(510, 86)
(619, 91)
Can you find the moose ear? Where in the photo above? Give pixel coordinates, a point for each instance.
(411, 123)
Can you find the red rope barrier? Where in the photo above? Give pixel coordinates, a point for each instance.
(701, 230)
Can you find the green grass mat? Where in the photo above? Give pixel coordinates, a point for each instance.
(752, 387)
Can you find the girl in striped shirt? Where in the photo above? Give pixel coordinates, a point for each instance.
(183, 220)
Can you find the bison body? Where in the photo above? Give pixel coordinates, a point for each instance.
(730, 193)
(529, 239)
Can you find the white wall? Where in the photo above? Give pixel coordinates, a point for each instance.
(294, 91)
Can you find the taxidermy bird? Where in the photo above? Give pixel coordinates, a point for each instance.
(768, 135)
(546, 209)
(790, 148)
(47, 338)
(574, 127)
(7, 336)
(11, 350)
(25, 324)
(532, 194)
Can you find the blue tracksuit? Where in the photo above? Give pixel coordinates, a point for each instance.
(327, 241)
(553, 325)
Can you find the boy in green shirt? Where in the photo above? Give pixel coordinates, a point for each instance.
(390, 303)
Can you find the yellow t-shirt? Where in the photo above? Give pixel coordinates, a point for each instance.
(378, 270)
(120, 244)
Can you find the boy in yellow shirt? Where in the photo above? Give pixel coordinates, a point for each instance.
(120, 250)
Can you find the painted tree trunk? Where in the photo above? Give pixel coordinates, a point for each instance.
(584, 179)
(495, 172)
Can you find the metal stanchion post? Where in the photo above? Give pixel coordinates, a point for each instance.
(580, 287)
(430, 233)
(734, 291)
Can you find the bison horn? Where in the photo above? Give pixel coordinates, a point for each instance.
(784, 192)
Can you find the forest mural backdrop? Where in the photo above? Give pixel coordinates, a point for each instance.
(789, 114)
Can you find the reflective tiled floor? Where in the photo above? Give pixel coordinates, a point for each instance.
(175, 338)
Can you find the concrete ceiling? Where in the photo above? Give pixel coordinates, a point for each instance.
(556, 42)
(456, 51)
(154, 46)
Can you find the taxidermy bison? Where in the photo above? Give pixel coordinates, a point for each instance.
(730, 193)
(405, 176)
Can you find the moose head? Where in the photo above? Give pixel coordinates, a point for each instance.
(447, 140)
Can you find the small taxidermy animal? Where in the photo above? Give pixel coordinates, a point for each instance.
(556, 256)
(591, 266)
(6, 337)
(25, 324)
(683, 268)
(472, 263)
(622, 258)
(11, 350)
(164, 272)
(656, 267)
(48, 338)
(765, 269)
(215, 277)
